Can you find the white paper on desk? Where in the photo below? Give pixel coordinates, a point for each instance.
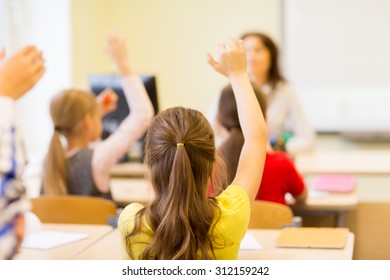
(45, 240)
(312, 194)
(317, 194)
(249, 242)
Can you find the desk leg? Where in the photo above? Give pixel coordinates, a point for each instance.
(340, 216)
(341, 219)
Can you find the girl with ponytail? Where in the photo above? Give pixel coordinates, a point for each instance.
(182, 222)
(76, 115)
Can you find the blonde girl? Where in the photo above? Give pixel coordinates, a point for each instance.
(76, 115)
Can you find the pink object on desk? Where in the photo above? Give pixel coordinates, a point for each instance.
(334, 183)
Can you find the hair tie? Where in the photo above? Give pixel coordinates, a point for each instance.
(180, 144)
(57, 128)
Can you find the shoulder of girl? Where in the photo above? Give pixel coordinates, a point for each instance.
(127, 215)
(232, 191)
(234, 200)
(132, 209)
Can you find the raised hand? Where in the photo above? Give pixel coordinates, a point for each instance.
(20, 72)
(232, 59)
(116, 50)
(232, 63)
(107, 100)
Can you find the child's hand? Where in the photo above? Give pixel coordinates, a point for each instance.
(19, 231)
(232, 58)
(116, 50)
(107, 101)
(20, 72)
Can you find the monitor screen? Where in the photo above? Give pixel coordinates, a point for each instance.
(98, 83)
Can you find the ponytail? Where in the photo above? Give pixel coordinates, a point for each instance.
(67, 110)
(178, 212)
(180, 153)
(54, 182)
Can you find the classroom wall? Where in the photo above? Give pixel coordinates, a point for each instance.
(169, 39)
(2, 25)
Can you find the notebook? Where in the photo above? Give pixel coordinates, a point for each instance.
(45, 240)
(329, 238)
(334, 183)
(249, 242)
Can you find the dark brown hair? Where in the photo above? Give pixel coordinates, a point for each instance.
(227, 115)
(274, 73)
(180, 154)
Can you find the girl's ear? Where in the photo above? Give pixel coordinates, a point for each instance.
(87, 121)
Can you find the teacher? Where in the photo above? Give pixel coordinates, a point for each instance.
(286, 121)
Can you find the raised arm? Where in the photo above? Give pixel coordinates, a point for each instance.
(18, 74)
(232, 63)
(107, 152)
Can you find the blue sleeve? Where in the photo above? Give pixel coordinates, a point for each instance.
(12, 191)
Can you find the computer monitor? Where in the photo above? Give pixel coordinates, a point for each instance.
(98, 83)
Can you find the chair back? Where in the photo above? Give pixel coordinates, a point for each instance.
(73, 209)
(270, 215)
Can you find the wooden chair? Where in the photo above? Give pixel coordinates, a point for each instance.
(270, 215)
(73, 209)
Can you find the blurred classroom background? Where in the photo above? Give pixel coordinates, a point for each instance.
(334, 53)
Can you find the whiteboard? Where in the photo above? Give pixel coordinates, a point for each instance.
(336, 53)
(2, 23)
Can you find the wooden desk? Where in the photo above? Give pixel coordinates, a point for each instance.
(68, 251)
(269, 252)
(109, 248)
(129, 169)
(337, 204)
(127, 190)
(345, 162)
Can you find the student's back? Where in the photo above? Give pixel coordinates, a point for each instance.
(80, 175)
(182, 222)
(279, 178)
(219, 224)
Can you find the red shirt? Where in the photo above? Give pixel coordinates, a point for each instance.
(279, 177)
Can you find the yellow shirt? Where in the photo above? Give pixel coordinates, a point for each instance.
(228, 232)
